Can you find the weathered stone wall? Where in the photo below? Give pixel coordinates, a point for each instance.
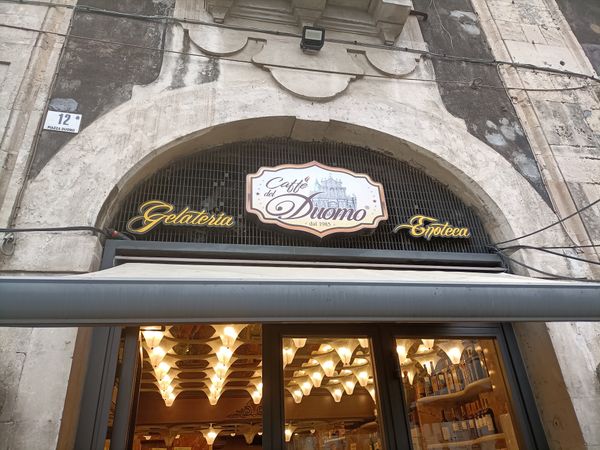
(559, 114)
(185, 86)
(35, 362)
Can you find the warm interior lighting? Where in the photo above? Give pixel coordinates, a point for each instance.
(296, 393)
(452, 348)
(410, 371)
(328, 362)
(428, 361)
(289, 430)
(316, 376)
(371, 390)
(428, 343)
(256, 396)
(345, 349)
(402, 348)
(228, 333)
(336, 390)
(210, 434)
(156, 355)
(363, 342)
(289, 350)
(153, 338)
(349, 383)
(299, 342)
(161, 370)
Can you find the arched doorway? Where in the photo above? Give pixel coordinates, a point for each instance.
(242, 382)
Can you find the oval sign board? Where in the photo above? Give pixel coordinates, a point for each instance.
(315, 198)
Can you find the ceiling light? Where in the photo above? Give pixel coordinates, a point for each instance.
(328, 362)
(152, 337)
(371, 390)
(299, 342)
(228, 333)
(345, 348)
(296, 393)
(453, 349)
(402, 348)
(289, 430)
(429, 343)
(336, 390)
(210, 434)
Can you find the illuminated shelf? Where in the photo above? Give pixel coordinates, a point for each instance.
(469, 393)
(482, 439)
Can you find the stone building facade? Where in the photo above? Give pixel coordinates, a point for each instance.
(497, 99)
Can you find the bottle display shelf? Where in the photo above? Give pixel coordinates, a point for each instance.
(468, 393)
(466, 444)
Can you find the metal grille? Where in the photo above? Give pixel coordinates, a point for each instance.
(215, 180)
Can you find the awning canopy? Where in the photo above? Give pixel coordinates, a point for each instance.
(138, 293)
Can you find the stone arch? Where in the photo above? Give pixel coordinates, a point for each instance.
(107, 158)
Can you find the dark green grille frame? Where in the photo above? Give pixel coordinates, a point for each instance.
(215, 180)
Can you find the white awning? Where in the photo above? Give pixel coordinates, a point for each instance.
(134, 293)
(194, 272)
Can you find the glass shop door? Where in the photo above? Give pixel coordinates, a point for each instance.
(322, 387)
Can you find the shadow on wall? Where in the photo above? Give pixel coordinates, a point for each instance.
(453, 28)
(584, 18)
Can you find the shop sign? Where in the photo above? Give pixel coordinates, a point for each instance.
(315, 198)
(427, 227)
(155, 212)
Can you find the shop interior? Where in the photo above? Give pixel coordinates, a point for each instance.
(200, 387)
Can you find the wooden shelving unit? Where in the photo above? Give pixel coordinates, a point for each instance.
(467, 394)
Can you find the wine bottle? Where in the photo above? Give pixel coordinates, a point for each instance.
(488, 416)
(456, 430)
(486, 372)
(466, 373)
(472, 420)
(457, 378)
(419, 387)
(477, 366)
(434, 383)
(483, 430)
(446, 429)
(428, 386)
(449, 380)
(441, 380)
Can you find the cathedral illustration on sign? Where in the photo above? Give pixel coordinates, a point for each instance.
(332, 194)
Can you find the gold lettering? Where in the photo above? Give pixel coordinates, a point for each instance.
(428, 227)
(155, 212)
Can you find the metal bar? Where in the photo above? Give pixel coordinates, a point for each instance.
(273, 416)
(97, 395)
(526, 407)
(71, 301)
(255, 252)
(253, 262)
(126, 391)
(390, 399)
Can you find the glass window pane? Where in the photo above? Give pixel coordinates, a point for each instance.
(330, 394)
(201, 386)
(456, 395)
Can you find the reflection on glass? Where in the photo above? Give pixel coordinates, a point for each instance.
(456, 395)
(201, 388)
(330, 394)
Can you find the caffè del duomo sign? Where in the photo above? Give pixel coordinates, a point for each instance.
(315, 198)
(311, 198)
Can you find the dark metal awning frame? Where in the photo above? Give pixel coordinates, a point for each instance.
(69, 301)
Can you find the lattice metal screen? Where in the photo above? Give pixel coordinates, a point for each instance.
(215, 180)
